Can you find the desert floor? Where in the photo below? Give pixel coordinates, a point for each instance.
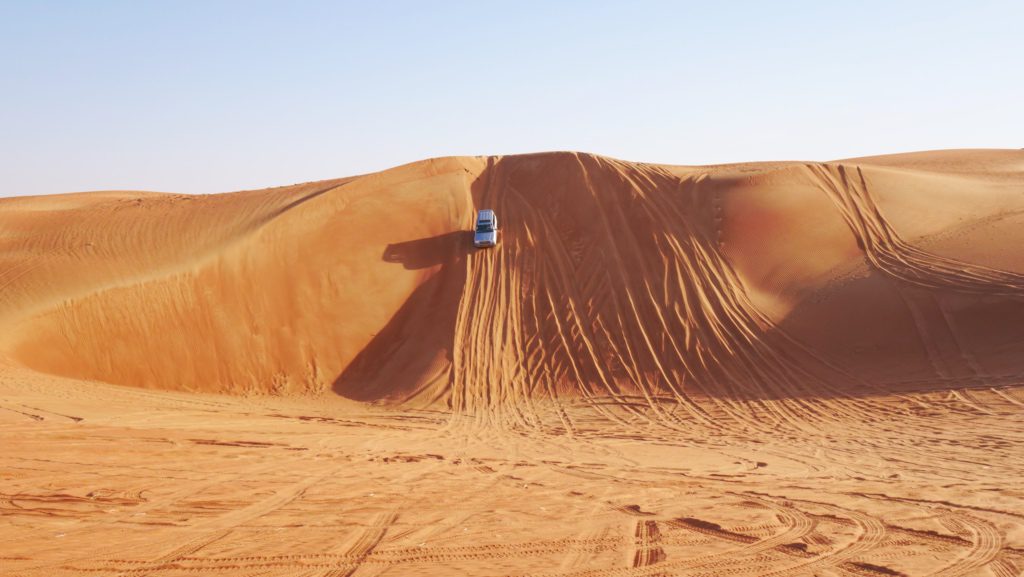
(102, 480)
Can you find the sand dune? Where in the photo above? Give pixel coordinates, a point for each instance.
(613, 279)
(645, 341)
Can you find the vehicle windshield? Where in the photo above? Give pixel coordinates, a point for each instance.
(484, 227)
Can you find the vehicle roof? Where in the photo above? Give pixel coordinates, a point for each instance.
(486, 214)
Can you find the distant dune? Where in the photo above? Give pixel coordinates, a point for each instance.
(754, 281)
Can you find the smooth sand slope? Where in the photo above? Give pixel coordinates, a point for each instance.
(768, 368)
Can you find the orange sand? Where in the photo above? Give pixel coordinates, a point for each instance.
(752, 369)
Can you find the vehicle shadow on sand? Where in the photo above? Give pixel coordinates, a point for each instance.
(414, 349)
(444, 249)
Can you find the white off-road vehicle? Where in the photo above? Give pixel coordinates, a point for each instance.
(486, 234)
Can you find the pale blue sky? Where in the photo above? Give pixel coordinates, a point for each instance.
(220, 95)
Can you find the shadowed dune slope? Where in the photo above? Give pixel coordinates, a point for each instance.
(612, 279)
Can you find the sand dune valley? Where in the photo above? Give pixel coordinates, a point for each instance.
(778, 369)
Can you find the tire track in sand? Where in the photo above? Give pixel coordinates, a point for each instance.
(364, 546)
(891, 254)
(871, 532)
(219, 527)
(986, 543)
(647, 549)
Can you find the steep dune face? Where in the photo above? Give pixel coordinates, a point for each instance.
(642, 283)
(281, 304)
